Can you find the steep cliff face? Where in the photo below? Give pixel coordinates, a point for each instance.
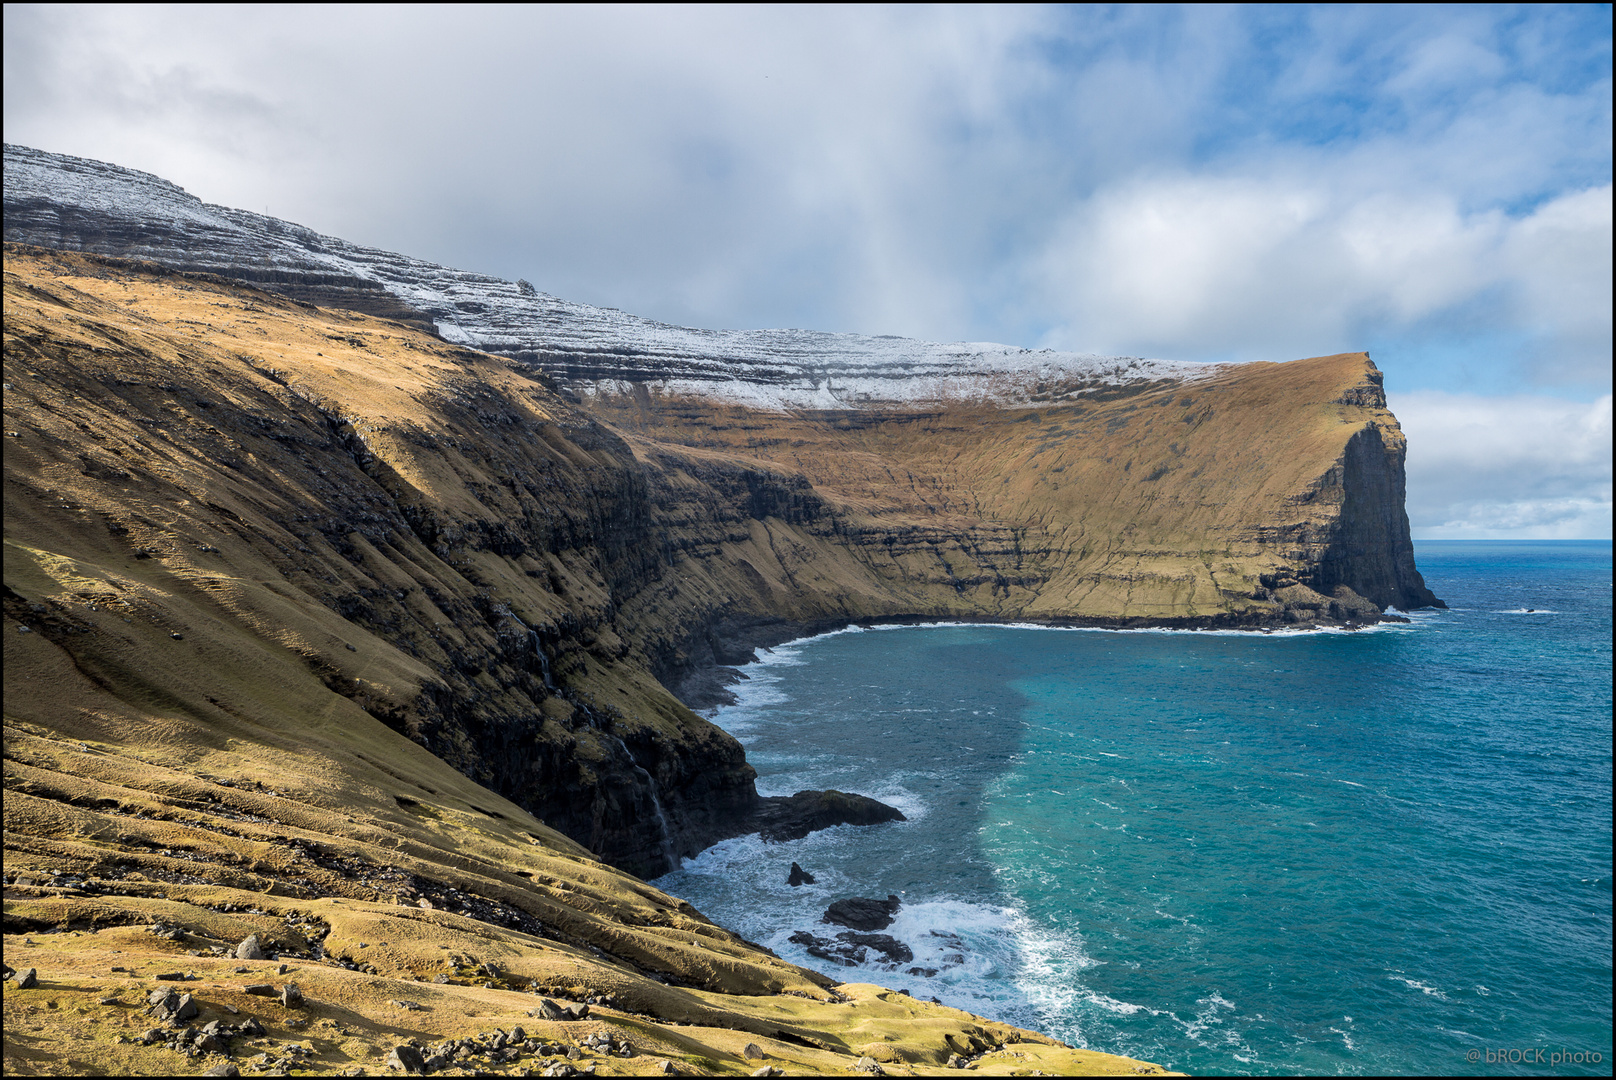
(442, 539)
(309, 619)
(549, 566)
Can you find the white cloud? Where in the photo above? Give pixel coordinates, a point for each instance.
(1247, 182)
(1300, 263)
(1525, 466)
(1259, 182)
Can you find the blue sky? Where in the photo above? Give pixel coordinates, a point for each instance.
(1432, 184)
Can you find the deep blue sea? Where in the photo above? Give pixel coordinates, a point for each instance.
(1324, 852)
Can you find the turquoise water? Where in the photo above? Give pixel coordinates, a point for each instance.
(1314, 852)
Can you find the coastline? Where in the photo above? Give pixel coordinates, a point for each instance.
(1337, 789)
(703, 686)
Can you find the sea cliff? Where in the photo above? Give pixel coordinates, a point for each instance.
(320, 606)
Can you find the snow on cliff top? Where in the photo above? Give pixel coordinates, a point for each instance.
(57, 200)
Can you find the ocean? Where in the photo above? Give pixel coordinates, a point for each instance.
(1383, 851)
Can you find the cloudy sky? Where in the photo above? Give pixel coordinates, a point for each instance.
(1430, 184)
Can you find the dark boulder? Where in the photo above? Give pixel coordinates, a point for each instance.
(863, 913)
(406, 1058)
(893, 950)
(850, 947)
(799, 876)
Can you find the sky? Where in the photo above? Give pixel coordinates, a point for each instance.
(1432, 185)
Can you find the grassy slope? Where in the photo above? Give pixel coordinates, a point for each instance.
(192, 738)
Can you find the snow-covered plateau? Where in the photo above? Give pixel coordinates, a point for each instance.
(54, 200)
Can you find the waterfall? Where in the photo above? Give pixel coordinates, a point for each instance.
(544, 661)
(533, 639)
(656, 804)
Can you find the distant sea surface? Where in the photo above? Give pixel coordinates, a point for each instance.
(1322, 852)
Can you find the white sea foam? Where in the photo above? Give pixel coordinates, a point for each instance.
(1415, 984)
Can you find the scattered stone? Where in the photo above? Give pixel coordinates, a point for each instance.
(213, 1044)
(826, 949)
(666, 1068)
(291, 996)
(768, 1070)
(187, 1009)
(282, 970)
(923, 972)
(108, 1001)
(27, 979)
(560, 1068)
(251, 1028)
(895, 951)
(406, 1058)
(752, 1051)
(224, 1068)
(870, 1065)
(576, 1012)
(411, 1006)
(259, 990)
(574, 1054)
(955, 1061)
(799, 876)
(250, 949)
(863, 913)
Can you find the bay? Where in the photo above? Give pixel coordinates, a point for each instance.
(1320, 852)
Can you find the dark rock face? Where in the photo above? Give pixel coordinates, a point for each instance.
(1356, 555)
(863, 913)
(799, 876)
